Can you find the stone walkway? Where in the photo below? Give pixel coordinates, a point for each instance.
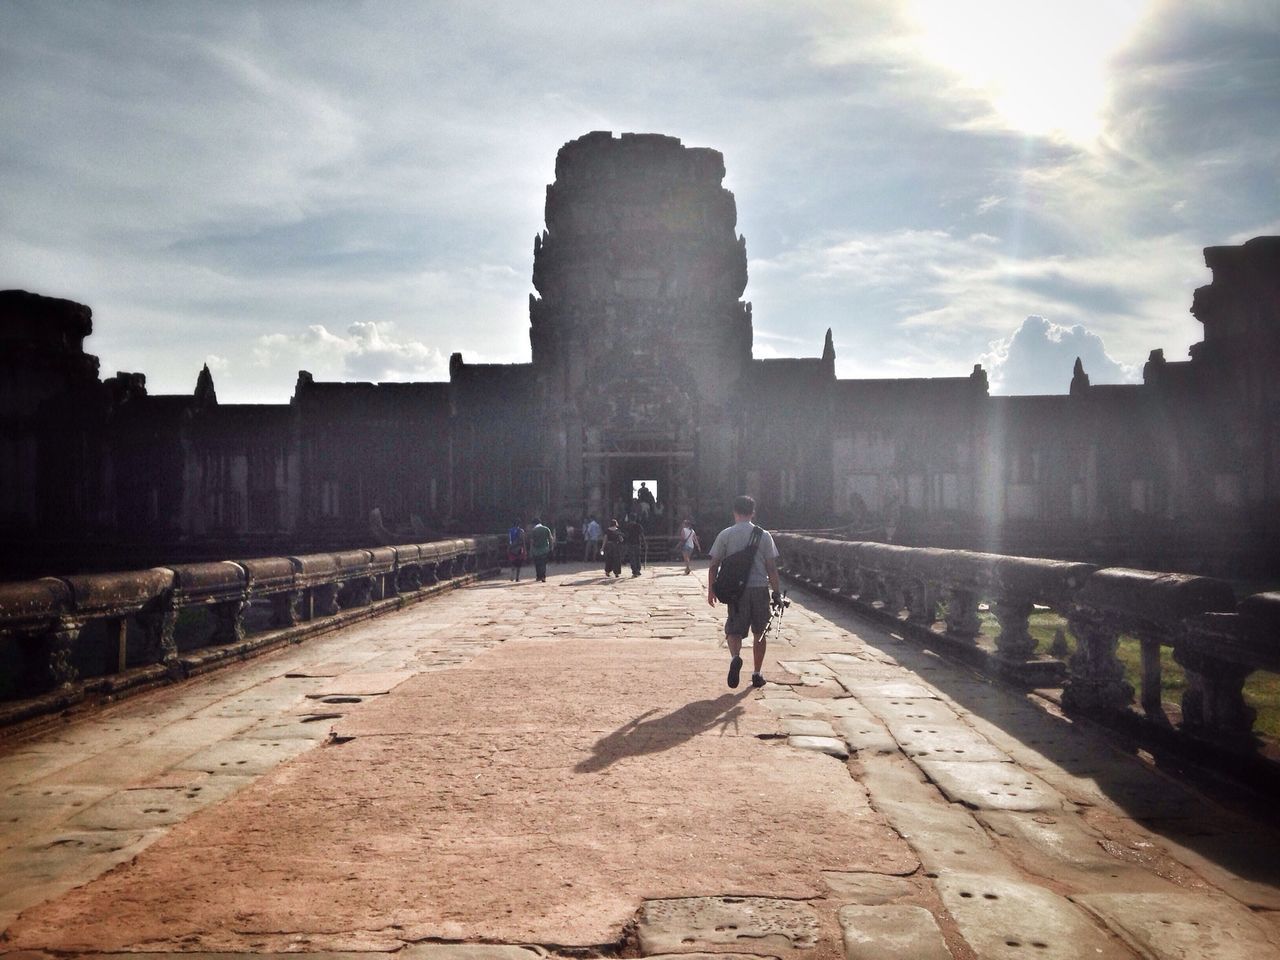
(560, 766)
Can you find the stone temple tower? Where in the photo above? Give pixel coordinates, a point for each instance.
(640, 341)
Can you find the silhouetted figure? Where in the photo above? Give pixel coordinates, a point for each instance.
(613, 550)
(517, 547)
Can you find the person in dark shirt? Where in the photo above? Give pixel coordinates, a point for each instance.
(635, 544)
(613, 550)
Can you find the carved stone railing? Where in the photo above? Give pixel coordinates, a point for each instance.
(1216, 642)
(138, 613)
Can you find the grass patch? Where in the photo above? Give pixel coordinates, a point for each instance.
(1261, 690)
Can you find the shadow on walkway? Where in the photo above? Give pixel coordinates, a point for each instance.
(640, 736)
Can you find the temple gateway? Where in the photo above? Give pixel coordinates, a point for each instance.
(642, 371)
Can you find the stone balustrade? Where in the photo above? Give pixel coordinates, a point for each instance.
(106, 632)
(1216, 641)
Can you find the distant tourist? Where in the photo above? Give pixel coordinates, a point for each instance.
(688, 542)
(541, 542)
(748, 557)
(635, 544)
(592, 533)
(644, 497)
(613, 550)
(517, 546)
(562, 540)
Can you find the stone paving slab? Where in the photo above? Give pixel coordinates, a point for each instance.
(900, 710)
(893, 932)
(986, 785)
(868, 889)
(1181, 926)
(1062, 848)
(777, 927)
(944, 741)
(1005, 918)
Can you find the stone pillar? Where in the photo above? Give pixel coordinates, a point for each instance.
(1095, 682)
(1015, 642)
(229, 617)
(285, 608)
(159, 629)
(922, 603)
(324, 599)
(962, 614)
(47, 659)
(1213, 703)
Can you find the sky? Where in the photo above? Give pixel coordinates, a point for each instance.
(353, 188)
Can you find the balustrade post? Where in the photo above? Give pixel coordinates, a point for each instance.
(159, 630)
(1015, 642)
(48, 662)
(324, 599)
(230, 621)
(962, 614)
(1095, 681)
(285, 608)
(1213, 702)
(895, 595)
(922, 603)
(431, 573)
(1152, 675)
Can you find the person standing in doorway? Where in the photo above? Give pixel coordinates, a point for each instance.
(613, 550)
(592, 533)
(751, 612)
(688, 542)
(517, 544)
(541, 542)
(635, 544)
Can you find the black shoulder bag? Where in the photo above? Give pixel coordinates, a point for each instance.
(731, 577)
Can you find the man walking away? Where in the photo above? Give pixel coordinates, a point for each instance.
(541, 543)
(592, 533)
(751, 611)
(635, 544)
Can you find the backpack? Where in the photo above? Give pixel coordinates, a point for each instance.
(731, 577)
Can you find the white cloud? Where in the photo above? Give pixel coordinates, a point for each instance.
(1039, 357)
(367, 351)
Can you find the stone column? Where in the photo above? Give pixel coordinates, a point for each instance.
(47, 659)
(230, 621)
(1015, 642)
(159, 629)
(922, 603)
(962, 614)
(1213, 702)
(285, 608)
(1095, 682)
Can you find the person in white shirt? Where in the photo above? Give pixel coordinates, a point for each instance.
(688, 542)
(591, 535)
(752, 611)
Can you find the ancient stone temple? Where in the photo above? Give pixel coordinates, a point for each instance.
(641, 370)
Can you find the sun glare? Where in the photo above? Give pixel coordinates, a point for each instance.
(1043, 66)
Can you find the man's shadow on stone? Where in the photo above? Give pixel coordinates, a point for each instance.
(642, 735)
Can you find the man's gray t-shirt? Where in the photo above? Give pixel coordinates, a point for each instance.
(732, 539)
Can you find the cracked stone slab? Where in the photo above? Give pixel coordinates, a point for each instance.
(144, 809)
(468, 951)
(868, 889)
(902, 710)
(795, 707)
(363, 684)
(1064, 848)
(1182, 926)
(806, 668)
(245, 757)
(831, 746)
(986, 785)
(865, 736)
(943, 741)
(676, 926)
(1004, 919)
(891, 932)
(801, 727)
(895, 779)
(890, 689)
(945, 837)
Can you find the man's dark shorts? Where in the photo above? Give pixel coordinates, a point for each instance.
(750, 614)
